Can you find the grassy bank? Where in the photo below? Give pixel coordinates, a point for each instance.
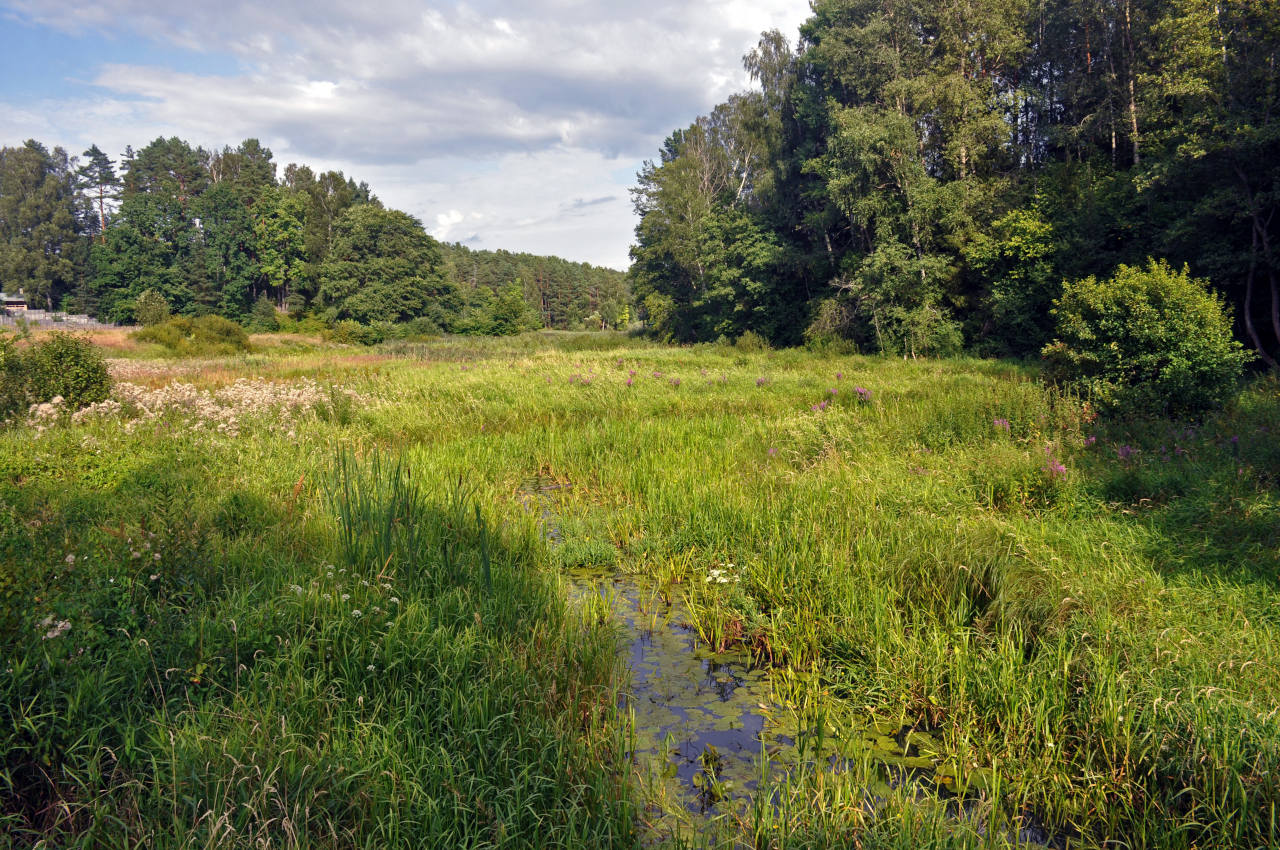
(1083, 618)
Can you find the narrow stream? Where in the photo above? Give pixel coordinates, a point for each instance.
(706, 722)
(706, 718)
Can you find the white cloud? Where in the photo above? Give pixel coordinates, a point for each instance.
(554, 97)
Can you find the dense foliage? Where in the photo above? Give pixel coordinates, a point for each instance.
(192, 232)
(220, 630)
(203, 335)
(916, 177)
(1148, 340)
(60, 365)
(560, 294)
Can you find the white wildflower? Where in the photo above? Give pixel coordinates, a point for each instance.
(59, 629)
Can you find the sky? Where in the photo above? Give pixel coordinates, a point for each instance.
(516, 124)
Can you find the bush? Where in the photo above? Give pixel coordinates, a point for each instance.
(1146, 341)
(262, 318)
(150, 308)
(350, 332)
(417, 329)
(65, 365)
(830, 331)
(202, 337)
(751, 343)
(13, 378)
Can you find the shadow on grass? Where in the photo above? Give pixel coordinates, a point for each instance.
(392, 671)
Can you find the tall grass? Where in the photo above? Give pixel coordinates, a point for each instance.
(1083, 615)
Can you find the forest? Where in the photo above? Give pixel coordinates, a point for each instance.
(921, 177)
(220, 232)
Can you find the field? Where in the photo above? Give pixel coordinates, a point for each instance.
(344, 597)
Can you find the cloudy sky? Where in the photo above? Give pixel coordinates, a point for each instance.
(499, 123)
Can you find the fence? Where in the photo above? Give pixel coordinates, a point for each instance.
(48, 319)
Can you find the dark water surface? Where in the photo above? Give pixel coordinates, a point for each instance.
(707, 725)
(701, 717)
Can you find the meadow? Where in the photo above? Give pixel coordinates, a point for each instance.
(339, 597)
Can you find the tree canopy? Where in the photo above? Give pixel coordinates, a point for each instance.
(917, 177)
(183, 229)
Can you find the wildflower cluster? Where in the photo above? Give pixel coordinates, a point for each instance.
(45, 415)
(223, 411)
(1052, 465)
(53, 628)
(347, 591)
(722, 574)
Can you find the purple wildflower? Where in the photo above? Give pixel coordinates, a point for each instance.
(1126, 451)
(1002, 424)
(760, 382)
(864, 394)
(839, 376)
(773, 451)
(833, 391)
(675, 382)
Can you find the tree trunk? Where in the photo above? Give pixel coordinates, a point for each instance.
(1248, 305)
(1132, 73)
(102, 214)
(1275, 304)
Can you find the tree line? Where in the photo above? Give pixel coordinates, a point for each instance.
(221, 232)
(921, 177)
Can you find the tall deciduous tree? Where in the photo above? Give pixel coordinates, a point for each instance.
(383, 267)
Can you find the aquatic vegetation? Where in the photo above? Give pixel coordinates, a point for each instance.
(490, 607)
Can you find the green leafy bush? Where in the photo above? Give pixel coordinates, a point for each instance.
(202, 337)
(351, 332)
(13, 378)
(150, 308)
(751, 343)
(65, 365)
(831, 328)
(1148, 340)
(263, 318)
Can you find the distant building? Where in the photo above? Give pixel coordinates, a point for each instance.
(9, 301)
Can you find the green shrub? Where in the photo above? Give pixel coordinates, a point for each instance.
(831, 328)
(1146, 341)
(351, 332)
(751, 342)
(65, 365)
(202, 337)
(13, 378)
(150, 308)
(262, 318)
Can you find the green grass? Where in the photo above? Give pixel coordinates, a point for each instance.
(1101, 641)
